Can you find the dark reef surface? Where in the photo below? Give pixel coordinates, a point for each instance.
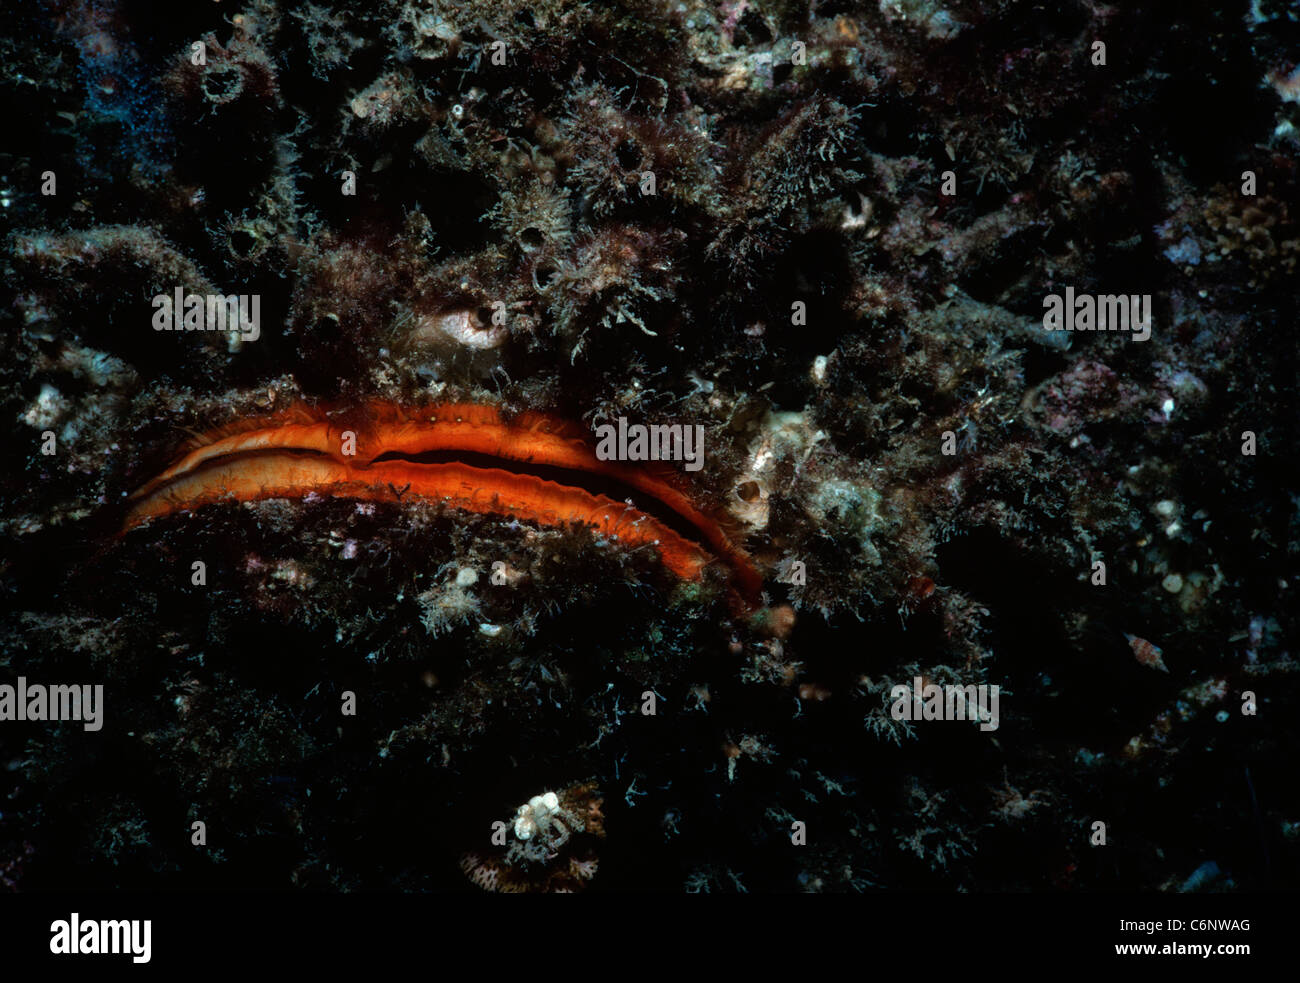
(733, 215)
